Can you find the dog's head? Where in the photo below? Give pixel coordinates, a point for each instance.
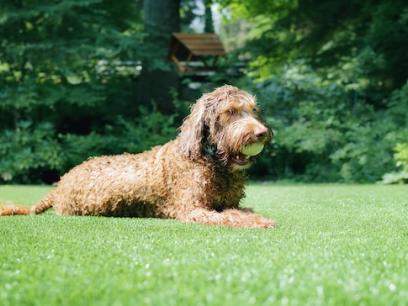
(225, 124)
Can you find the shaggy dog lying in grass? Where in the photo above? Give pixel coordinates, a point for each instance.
(198, 177)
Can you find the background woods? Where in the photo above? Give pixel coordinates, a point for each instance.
(91, 77)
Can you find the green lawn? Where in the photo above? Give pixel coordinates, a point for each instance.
(336, 245)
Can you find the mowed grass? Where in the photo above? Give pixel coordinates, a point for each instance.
(336, 245)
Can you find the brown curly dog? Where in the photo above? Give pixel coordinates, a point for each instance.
(198, 177)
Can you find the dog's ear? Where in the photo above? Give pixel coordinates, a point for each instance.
(192, 131)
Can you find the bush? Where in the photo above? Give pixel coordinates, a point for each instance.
(327, 131)
(29, 153)
(34, 154)
(401, 159)
(148, 130)
(401, 155)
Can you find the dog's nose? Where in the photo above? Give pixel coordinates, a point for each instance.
(261, 132)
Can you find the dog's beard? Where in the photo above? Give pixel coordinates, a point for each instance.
(230, 143)
(232, 157)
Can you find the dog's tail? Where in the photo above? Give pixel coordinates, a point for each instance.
(12, 210)
(40, 207)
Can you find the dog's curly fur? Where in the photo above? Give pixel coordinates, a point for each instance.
(198, 177)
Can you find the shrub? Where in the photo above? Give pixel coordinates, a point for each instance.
(33, 154)
(401, 155)
(124, 135)
(327, 131)
(401, 159)
(29, 153)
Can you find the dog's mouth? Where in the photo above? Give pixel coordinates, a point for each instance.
(248, 154)
(242, 159)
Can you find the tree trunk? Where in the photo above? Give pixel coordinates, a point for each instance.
(208, 18)
(159, 77)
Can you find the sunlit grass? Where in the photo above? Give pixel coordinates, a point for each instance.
(336, 245)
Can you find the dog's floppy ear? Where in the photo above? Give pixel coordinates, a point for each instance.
(192, 131)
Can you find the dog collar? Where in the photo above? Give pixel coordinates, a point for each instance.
(210, 150)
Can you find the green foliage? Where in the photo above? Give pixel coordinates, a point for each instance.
(66, 71)
(37, 153)
(401, 159)
(401, 155)
(328, 34)
(332, 80)
(148, 130)
(27, 151)
(326, 132)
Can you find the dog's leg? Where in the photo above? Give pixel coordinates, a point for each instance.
(228, 217)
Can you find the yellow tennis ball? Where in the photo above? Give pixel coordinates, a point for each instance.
(253, 149)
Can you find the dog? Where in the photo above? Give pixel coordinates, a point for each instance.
(199, 177)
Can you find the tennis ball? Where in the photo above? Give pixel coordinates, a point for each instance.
(252, 149)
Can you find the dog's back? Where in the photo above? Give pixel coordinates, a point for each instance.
(111, 186)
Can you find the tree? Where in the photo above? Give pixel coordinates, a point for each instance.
(334, 74)
(61, 74)
(158, 77)
(208, 18)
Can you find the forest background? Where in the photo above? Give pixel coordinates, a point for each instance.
(91, 77)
